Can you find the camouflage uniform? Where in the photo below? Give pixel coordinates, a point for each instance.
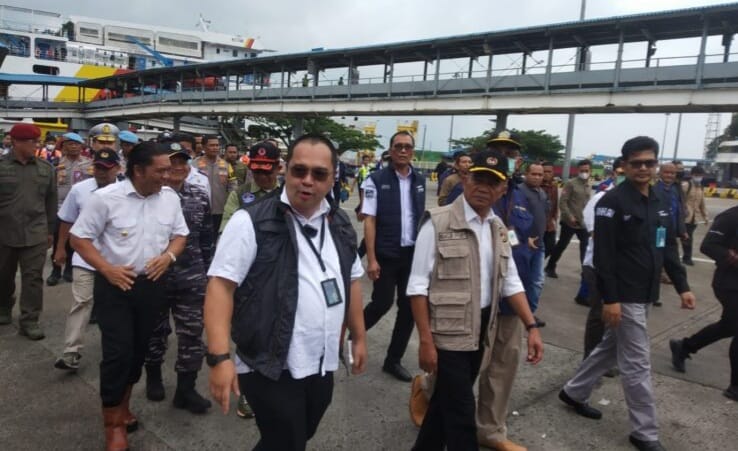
(185, 284)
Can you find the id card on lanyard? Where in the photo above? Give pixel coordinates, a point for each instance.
(331, 293)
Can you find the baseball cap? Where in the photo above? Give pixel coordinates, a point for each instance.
(505, 136)
(175, 149)
(72, 137)
(104, 132)
(128, 137)
(25, 131)
(490, 161)
(106, 158)
(263, 156)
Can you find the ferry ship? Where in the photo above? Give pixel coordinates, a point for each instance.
(48, 43)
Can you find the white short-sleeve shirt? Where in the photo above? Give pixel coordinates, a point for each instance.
(317, 327)
(424, 259)
(369, 205)
(131, 229)
(70, 209)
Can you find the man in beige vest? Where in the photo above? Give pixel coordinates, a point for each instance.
(462, 266)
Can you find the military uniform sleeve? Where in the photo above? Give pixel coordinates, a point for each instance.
(207, 234)
(229, 208)
(716, 242)
(52, 200)
(606, 229)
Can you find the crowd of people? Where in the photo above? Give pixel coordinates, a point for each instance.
(254, 252)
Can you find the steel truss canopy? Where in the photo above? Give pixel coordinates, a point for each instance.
(650, 27)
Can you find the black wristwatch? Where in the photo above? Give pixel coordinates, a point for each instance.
(532, 326)
(214, 359)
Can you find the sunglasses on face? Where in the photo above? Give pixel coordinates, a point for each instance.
(300, 172)
(637, 164)
(401, 146)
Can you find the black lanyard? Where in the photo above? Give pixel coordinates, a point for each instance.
(310, 241)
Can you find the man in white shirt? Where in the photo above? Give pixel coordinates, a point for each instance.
(286, 276)
(140, 229)
(106, 165)
(462, 267)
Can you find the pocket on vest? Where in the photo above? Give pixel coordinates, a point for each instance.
(450, 313)
(454, 262)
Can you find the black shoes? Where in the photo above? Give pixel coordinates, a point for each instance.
(53, 279)
(582, 408)
(398, 371)
(550, 272)
(186, 397)
(581, 301)
(644, 445)
(539, 321)
(154, 385)
(657, 303)
(678, 355)
(731, 392)
(688, 262)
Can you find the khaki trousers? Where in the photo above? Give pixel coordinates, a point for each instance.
(79, 314)
(31, 261)
(496, 376)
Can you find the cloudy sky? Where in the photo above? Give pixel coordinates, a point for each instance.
(291, 26)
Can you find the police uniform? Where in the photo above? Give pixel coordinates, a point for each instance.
(185, 291)
(220, 185)
(28, 203)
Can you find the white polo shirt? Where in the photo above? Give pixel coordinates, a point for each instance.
(424, 259)
(317, 329)
(369, 205)
(131, 229)
(70, 209)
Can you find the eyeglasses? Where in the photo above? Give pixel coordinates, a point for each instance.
(401, 146)
(637, 164)
(300, 172)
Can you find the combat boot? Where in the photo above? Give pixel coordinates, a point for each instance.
(154, 385)
(187, 397)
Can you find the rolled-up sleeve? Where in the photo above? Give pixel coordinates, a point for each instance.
(511, 284)
(424, 259)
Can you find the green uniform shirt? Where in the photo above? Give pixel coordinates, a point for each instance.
(27, 201)
(236, 199)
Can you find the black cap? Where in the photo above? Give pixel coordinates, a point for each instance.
(505, 136)
(175, 149)
(490, 161)
(263, 156)
(106, 158)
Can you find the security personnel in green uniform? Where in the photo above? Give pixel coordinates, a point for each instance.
(264, 165)
(28, 214)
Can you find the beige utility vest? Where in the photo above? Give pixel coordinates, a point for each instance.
(454, 292)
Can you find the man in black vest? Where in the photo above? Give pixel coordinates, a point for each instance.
(394, 201)
(286, 277)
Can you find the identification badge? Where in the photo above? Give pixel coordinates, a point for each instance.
(331, 293)
(660, 237)
(512, 237)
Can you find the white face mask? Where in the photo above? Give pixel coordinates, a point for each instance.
(584, 175)
(50, 147)
(697, 180)
(511, 166)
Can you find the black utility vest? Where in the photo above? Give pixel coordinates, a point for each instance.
(265, 303)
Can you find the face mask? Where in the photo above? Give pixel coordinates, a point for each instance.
(511, 166)
(584, 175)
(619, 179)
(697, 180)
(50, 147)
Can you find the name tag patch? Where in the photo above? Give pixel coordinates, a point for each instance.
(446, 236)
(369, 193)
(605, 212)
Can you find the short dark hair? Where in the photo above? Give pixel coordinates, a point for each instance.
(402, 133)
(676, 162)
(546, 163)
(639, 144)
(584, 162)
(459, 154)
(618, 163)
(143, 155)
(231, 145)
(206, 138)
(186, 137)
(533, 163)
(697, 170)
(314, 138)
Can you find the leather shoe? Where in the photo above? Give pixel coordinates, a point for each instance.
(53, 279)
(398, 371)
(731, 392)
(582, 408)
(550, 272)
(581, 301)
(644, 445)
(678, 355)
(502, 445)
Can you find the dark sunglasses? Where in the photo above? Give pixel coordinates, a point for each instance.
(637, 164)
(319, 174)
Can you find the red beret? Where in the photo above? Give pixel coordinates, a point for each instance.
(25, 131)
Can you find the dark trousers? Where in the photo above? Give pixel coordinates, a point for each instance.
(726, 327)
(393, 276)
(595, 328)
(287, 411)
(217, 219)
(31, 261)
(68, 263)
(564, 239)
(549, 241)
(126, 320)
(687, 244)
(449, 422)
(185, 301)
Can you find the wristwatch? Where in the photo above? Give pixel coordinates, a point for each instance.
(532, 326)
(214, 359)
